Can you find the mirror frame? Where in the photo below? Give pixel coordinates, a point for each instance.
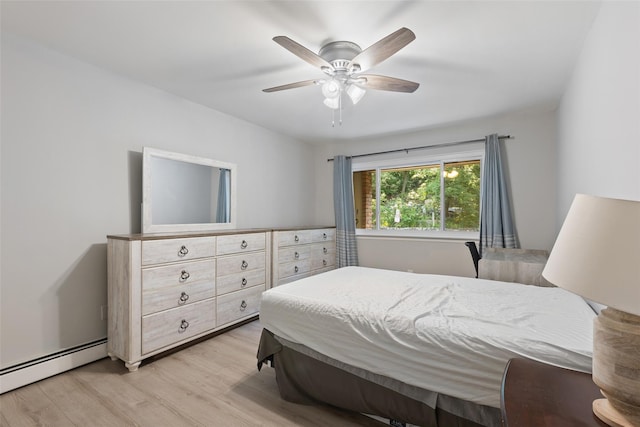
(147, 225)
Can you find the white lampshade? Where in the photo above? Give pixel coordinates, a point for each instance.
(597, 252)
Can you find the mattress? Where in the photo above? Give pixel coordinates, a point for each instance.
(452, 335)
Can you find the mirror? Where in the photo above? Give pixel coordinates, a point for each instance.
(186, 193)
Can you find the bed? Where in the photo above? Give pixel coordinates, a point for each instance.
(417, 349)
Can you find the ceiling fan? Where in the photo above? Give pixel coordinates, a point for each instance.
(344, 61)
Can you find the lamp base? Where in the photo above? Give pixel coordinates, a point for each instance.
(616, 367)
(609, 415)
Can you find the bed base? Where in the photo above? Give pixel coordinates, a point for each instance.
(305, 379)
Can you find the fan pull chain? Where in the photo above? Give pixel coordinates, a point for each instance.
(333, 112)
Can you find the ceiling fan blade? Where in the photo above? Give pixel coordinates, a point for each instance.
(373, 81)
(291, 85)
(304, 53)
(382, 49)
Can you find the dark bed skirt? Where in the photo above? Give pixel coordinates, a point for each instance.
(308, 380)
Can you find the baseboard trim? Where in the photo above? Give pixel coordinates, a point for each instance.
(48, 366)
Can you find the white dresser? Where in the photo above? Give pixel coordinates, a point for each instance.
(302, 252)
(167, 290)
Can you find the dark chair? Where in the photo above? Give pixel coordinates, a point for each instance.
(475, 255)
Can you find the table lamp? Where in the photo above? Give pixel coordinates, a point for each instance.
(597, 256)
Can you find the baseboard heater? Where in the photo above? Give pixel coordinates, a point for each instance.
(46, 366)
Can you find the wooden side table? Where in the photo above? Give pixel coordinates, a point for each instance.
(540, 395)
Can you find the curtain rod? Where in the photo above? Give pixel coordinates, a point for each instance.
(406, 150)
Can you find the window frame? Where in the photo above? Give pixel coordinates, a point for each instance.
(416, 161)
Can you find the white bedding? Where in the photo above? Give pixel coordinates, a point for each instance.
(452, 335)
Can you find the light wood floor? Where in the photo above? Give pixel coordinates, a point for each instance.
(212, 383)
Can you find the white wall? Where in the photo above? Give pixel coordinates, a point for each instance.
(72, 137)
(530, 160)
(599, 116)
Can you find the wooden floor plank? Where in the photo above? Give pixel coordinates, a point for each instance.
(79, 403)
(30, 406)
(212, 383)
(128, 394)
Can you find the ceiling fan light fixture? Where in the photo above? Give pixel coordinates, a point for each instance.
(355, 93)
(333, 103)
(331, 89)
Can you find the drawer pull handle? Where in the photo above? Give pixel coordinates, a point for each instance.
(244, 244)
(244, 282)
(244, 265)
(184, 275)
(324, 262)
(295, 268)
(183, 298)
(296, 255)
(183, 251)
(296, 238)
(324, 236)
(183, 326)
(324, 250)
(243, 305)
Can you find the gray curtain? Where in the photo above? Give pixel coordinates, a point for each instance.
(497, 229)
(223, 212)
(346, 249)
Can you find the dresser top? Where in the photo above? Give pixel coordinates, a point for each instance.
(303, 227)
(158, 236)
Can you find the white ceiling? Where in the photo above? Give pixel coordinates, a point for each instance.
(471, 58)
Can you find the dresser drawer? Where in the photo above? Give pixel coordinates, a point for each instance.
(327, 261)
(295, 253)
(172, 326)
(237, 305)
(292, 268)
(171, 250)
(324, 250)
(175, 285)
(294, 237)
(323, 235)
(238, 281)
(241, 263)
(238, 243)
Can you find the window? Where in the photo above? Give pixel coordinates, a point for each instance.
(433, 196)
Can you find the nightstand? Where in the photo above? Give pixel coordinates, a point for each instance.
(538, 395)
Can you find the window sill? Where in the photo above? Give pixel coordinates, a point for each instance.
(413, 234)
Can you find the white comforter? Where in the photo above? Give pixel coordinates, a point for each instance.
(452, 335)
